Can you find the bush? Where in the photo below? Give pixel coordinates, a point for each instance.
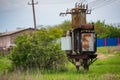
(39, 50)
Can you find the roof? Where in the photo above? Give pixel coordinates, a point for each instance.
(16, 31)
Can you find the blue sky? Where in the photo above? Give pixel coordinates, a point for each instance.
(17, 13)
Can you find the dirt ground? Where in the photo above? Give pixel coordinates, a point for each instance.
(103, 56)
(111, 51)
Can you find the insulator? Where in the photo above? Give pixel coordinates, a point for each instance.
(60, 14)
(86, 6)
(83, 6)
(76, 5)
(79, 5)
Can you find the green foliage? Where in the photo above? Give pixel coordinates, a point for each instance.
(104, 30)
(5, 64)
(39, 50)
(66, 25)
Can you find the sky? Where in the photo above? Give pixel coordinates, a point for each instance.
(18, 14)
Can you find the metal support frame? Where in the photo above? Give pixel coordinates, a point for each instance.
(87, 60)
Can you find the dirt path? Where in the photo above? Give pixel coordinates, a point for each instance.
(104, 56)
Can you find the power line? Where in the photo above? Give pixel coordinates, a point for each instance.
(101, 3)
(95, 4)
(33, 8)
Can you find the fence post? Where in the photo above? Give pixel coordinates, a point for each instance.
(118, 41)
(104, 41)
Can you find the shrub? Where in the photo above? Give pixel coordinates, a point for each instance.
(39, 50)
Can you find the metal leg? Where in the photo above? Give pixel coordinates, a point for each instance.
(85, 64)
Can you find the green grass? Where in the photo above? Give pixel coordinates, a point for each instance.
(5, 64)
(103, 50)
(102, 69)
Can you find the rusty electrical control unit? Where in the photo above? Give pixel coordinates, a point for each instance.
(81, 39)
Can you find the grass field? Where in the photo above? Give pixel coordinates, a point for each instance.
(107, 67)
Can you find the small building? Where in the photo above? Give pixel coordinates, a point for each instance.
(7, 39)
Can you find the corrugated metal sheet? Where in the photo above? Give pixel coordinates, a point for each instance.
(107, 42)
(111, 41)
(100, 42)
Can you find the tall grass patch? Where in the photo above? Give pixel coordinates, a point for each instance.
(5, 64)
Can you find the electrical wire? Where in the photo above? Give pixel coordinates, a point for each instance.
(102, 4)
(95, 4)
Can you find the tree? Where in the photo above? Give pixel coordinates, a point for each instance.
(102, 30)
(105, 31)
(66, 25)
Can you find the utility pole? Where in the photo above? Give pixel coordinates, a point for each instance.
(33, 8)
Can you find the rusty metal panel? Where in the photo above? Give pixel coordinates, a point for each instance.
(78, 18)
(87, 27)
(88, 41)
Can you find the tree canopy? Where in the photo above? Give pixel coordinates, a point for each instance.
(103, 30)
